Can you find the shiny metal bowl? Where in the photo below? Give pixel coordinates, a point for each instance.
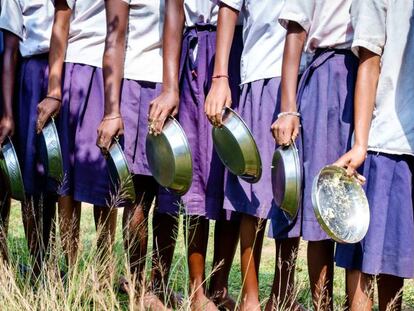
(10, 168)
(236, 147)
(340, 205)
(52, 159)
(169, 157)
(119, 173)
(287, 179)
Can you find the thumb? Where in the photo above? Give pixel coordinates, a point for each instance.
(342, 161)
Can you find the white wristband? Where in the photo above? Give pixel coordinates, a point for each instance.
(288, 113)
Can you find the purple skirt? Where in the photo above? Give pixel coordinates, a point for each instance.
(85, 172)
(388, 247)
(135, 101)
(259, 106)
(32, 88)
(205, 197)
(326, 100)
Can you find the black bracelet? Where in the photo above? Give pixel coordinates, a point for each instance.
(55, 98)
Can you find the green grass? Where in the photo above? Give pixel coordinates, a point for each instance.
(111, 300)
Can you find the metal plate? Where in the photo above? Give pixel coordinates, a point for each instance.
(10, 167)
(287, 179)
(236, 147)
(340, 205)
(120, 174)
(52, 159)
(169, 157)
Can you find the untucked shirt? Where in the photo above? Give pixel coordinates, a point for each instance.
(385, 28)
(86, 42)
(326, 22)
(263, 38)
(200, 12)
(143, 59)
(31, 21)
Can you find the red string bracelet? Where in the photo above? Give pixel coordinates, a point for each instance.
(220, 76)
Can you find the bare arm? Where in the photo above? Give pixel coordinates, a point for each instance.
(8, 78)
(286, 128)
(167, 103)
(50, 106)
(220, 93)
(112, 126)
(365, 95)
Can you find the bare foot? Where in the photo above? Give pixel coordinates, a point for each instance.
(223, 301)
(123, 285)
(171, 299)
(153, 303)
(202, 303)
(272, 305)
(250, 306)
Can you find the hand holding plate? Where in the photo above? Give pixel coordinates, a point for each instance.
(6, 128)
(286, 129)
(352, 160)
(218, 98)
(110, 128)
(47, 108)
(160, 108)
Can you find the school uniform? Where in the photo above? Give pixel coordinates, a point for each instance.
(32, 23)
(142, 82)
(325, 101)
(205, 196)
(85, 173)
(260, 69)
(384, 28)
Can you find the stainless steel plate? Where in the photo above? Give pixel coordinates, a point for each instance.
(169, 157)
(120, 174)
(236, 147)
(10, 167)
(287, 179)
(340, 205)
(51, 149)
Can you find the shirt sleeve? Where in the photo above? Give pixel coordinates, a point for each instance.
(298, 11)
(235, 4)
(369, 22)
(11, 17)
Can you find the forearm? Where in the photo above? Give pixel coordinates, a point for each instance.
(114, 55)
(58, 45)
(8, 75)
(227, 21)
(295, 40)
(172, 39)
(365, 95)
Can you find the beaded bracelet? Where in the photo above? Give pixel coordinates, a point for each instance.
(288, 113)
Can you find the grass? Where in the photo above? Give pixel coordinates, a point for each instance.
(85, 291)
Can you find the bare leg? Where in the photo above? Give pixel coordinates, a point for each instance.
(196, 229)
(226, 237)
(360, 290)
(320, 268)
(69, 223)
(165, 229)
(390, 290)
(38, 215)
(105, 224)
(283, 295)
(251, 241)
(5, 203)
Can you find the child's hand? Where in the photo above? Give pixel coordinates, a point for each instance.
(285, 129)
(6, 128)
(218, 98)
(352, 160)
(46, 109)
(111, 127)
(160, 108)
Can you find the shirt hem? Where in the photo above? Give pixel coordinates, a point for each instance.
(367, 45)
(388, 151)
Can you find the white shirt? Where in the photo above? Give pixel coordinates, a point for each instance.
(263, 38)
(143, 59)
(31, 21)
(200, 11)
(86, 42)
(385, 27)
(326, 22)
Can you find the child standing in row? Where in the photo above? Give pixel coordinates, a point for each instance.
(27, 29)
(323, 104)
(261, 65)
(133, 67)
(185, 93)
(384, 139)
